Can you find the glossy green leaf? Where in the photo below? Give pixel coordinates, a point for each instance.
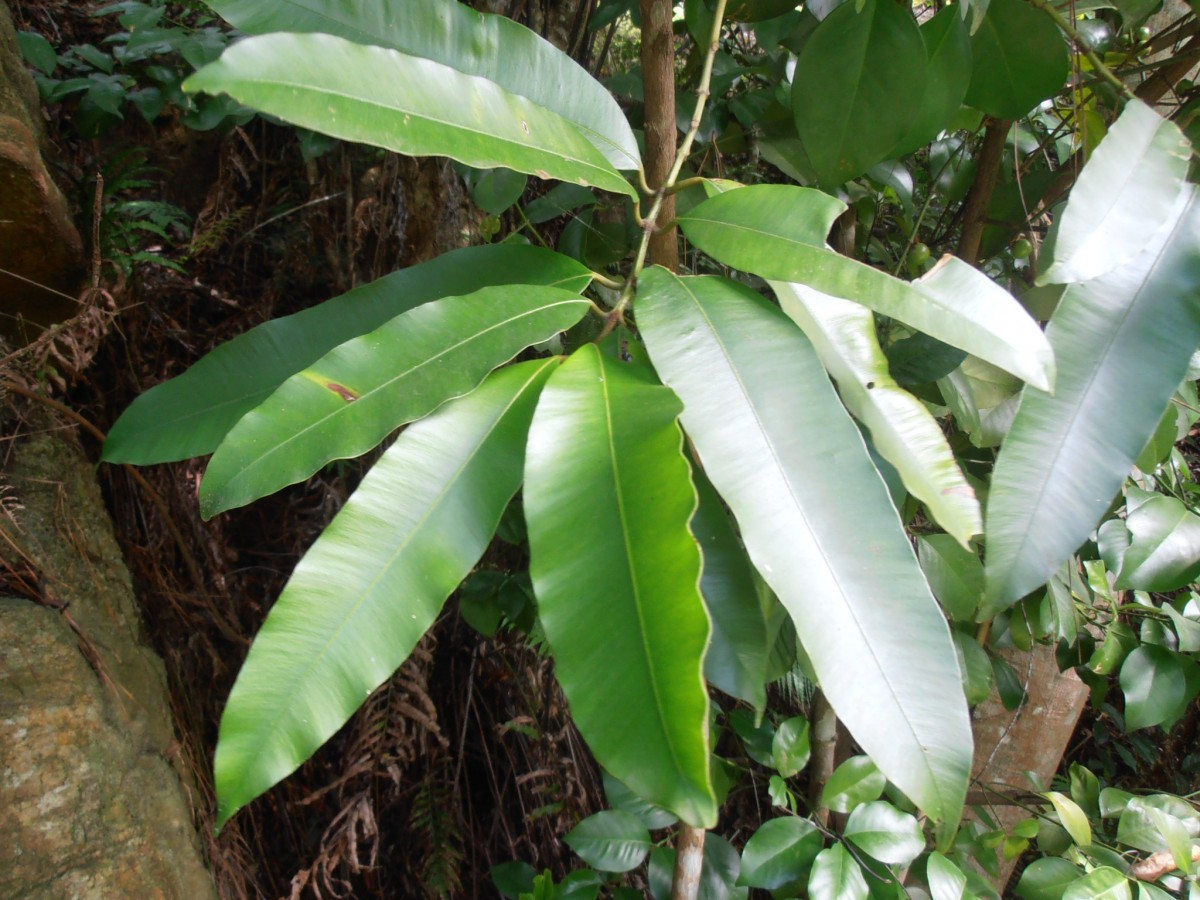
(1118, 201)
(978, 675)
(947, 73)
(608, 498)
(1072, 817)
(621, 797)
(1019, 59)
(1175, 835)
(1104, 883)
(1187, 629)
(885, 833)
(780, 853)
(791, 747)
(851, 109)
(946, 880)
(368, 589)
(474, 43)
(1046, 879)
(190, 414)
(955, 302)
(836, 876)
(1138, 827)
(740, 651)
(779, 447)
(414, 106)
(902, 429)
(854, 782)
(1164, 554)
(351, 398)
(722, 866)
(1155, 687)
(611, 841)
(1122, 343)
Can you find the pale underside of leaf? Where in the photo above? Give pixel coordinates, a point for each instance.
(351, 398)
(616, 571)
(412, 105)
(371, 585)
(904, 432)
(818, 524)
(489, 46)
(1123, 342)
(190, 414)
(1118, 201)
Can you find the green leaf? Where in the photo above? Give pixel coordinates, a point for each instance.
(719, 876)
(946, 880)
(780, 449)
(1103, 883)
(902, 429)
(513, 878)
(954, 573)
(836, 876)
(854, 782)
(740, 651)
(1122, 342)
(414, 106)
(955, 302)
(1046, 879)
(947, 73)
(351, 398)
(368, 589)
(1020, 59)
(620, 797)
(611, 841)
(884, 833)
(1164, 554)
(455, 35)
(1118, 201)
(608, 499)
(1138, 827)
(37, 52)
(1175, 835)
(851, 110)
(780, 853)
(1155, 687)
(1187, 629)
(190, 414)
(978, 675)
(1073, 819)
(791, 747)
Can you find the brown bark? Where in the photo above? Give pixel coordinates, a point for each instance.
(658, 73)
(980, 197)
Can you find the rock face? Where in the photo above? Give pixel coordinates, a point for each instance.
(38, 240)
(92, 806)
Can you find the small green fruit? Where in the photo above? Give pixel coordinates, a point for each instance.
(1021, 248)
(919, 255)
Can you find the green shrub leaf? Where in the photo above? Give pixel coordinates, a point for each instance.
(775, 237)
(190, 414)
(474, 43)
(1020, 59)
(780, 853)
(351, 398)
(780, 449)
(611, 841)
(1122, 343)
(608, 498)
(368, 589)
(412, 105)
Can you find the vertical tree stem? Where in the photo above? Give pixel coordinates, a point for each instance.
(661, 247)
(658, 76)
(978, 200)
(824, 756)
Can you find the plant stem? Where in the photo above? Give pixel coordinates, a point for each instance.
(617, 316)
(986, 176)
(824, 756)
(664, 162)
